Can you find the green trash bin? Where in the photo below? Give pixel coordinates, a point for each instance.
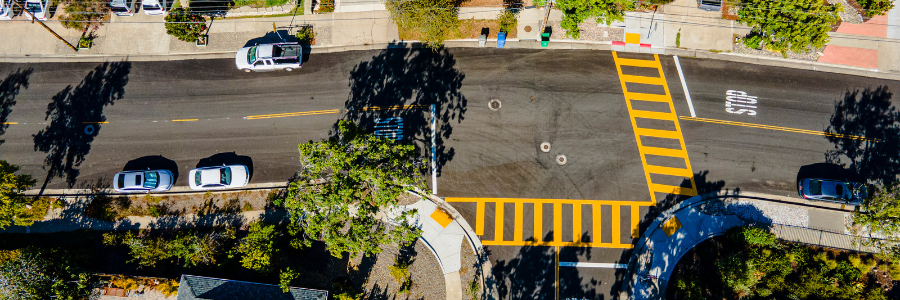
(545, 39)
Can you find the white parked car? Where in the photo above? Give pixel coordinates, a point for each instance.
(122, 8)
(269, 57)
(38, 8)
(224, 177)
(6, 12)
(154, 7)
(142, 181)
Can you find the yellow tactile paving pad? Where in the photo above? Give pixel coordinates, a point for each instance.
(441, 217)
(671, 226)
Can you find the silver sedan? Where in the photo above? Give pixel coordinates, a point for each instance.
(142, 181)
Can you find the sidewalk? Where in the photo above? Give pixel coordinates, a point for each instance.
(677, 230)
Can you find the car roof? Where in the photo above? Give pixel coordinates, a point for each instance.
(264, 51)
(829, 188)
(210, 175)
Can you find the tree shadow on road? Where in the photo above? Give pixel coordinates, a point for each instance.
(9, 89)
(865, 131)
(531, 274)
(75, 115)
(417, 79)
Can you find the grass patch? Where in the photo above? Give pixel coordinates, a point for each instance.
(259, 3)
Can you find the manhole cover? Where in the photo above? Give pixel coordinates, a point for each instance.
(561, 159)
(89, 130)
(545, 147)
(494, 104)
(527, 28)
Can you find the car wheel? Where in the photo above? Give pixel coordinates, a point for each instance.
(246, 70)
(288, 69)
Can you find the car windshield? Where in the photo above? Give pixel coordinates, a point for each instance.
(151, 180)
(197, 178)
(226, 175)
(119, 9)
(151, 7)
(815, 187)
(121, 181)
(839, 189)
(33, 7)
(251, 55)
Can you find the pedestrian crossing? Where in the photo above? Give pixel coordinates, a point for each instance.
(583, 220)
(644, 136)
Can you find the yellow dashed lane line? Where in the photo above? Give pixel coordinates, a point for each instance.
(294, 114)
(557, 215)
(778, 128)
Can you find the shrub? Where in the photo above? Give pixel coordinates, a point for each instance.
(258, 246)
(472, 289)
(508, 20)
(400, 270)
(285, 277)
(84, 15)
(168, 288)
(247, 206)
(873, 8)
(306, 34)
(125, 283)
(752, 236)
(185, 25)
(326, 6)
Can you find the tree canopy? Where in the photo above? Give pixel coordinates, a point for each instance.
(361, 175)
(873, 8)
(434, 20)
(35, 273)
(880, 217)
(13, 203)
(258, 246)
(605, 11)
(184, 24)
(85, 15)
(788, 25)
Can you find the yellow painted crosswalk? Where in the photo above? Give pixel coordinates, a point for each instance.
(633, 97)
(544, 211)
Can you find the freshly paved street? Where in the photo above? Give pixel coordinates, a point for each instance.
(585, 210)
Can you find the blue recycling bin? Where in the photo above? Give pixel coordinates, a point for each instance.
(501, 39)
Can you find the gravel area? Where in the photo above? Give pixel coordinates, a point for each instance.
(590, 31)
(850, 14)
(427, 278)
(812, 55)
(469, 271)
(769, 213)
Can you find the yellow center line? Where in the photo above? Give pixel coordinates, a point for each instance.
(184, 120)
(294, 114)
(390, 107)
(556, 284)
(9, 123)
(94, 122)
(777, 128)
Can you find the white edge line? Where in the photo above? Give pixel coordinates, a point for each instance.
(684, 85)
(592, 265)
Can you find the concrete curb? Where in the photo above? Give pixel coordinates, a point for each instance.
(473, 43)
(175, 191)
(489, 292)
(659, 284)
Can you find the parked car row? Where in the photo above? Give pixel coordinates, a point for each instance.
(122, 8)
(206, 178)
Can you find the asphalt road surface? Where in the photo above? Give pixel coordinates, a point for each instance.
(82, 122)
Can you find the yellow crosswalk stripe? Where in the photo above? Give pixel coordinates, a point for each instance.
(557, 215)
(639, 132)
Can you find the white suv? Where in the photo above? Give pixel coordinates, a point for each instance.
(269, 57)
(154, 7)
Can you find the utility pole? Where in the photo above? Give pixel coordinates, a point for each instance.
(45, 26)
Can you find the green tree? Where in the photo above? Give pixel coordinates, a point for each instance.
(879, 216)
(433, 20)
(605, 11)
(35, 273)
(187, 246)
(788, 25)
(873, 8)
(85, 15)
(13, 203)
(184, 24)
(363, 174)
(258, 246)
(285, 277)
